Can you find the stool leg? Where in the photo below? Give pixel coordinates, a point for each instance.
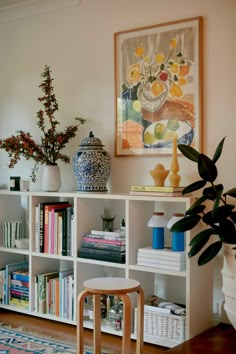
(80, 321)
(126, 341)
(140, 320)
(96, 324)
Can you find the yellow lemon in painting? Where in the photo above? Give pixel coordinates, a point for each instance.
(137, 106)
(149, 138)
(160, 130)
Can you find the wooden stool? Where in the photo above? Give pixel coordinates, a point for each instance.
(111, 286)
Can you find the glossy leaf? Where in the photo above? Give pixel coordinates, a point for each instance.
(209, 253)
(185, 224)
(196, 210)
(218, 150)
(189, 152)
(227, 231)
(207, 168)
(194, 186)
(199, 241)
(213, 191)
(231, 192)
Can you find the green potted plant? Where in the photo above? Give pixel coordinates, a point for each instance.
(214, 209)
(49, 150)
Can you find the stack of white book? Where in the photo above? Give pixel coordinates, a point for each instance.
(162, 258)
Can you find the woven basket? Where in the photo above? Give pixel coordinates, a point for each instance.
(162, 326)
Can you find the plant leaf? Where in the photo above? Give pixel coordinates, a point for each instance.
(218, 150)
(189, 152)
(231, 192)
(207, 168)
(199, 241)
(227, 231)
(194, 186)
(209, 253)
(186, 223)
(195, 210)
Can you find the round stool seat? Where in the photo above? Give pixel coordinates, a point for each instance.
(111, 285)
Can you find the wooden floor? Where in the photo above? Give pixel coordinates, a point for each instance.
(68, 332)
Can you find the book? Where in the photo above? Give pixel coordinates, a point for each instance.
(107, 233)
(42, 289)
(97, 245)
(20, 272)
(101, 251)
(165, 253)
(164, 189)
(157, 194)
(119, 258)
(162, 261)
(119, 242)
(147, 263)
(62, 292)
(47, 208)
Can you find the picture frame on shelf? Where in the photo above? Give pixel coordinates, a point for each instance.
(158, 87)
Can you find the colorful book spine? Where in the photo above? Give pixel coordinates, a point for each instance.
(118, 242)
(107, 233)
(102, 257)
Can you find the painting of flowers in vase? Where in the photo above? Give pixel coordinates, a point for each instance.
(158, 87)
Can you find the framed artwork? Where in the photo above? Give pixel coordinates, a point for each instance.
(158, 87)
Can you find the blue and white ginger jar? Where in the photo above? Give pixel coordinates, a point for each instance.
(92, 165)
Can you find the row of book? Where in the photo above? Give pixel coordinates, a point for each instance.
(54, 293)
(14, 285)
(54, 228)
(103, 245)
(162, 258)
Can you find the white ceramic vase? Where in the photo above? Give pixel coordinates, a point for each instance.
(229, 282)
(51, 178)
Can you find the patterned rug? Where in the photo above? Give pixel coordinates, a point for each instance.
(13, 341)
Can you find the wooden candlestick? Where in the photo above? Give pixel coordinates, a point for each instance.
(174, 177)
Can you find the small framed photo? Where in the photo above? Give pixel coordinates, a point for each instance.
(158, 87)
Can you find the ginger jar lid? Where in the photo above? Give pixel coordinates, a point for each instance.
(91, 141)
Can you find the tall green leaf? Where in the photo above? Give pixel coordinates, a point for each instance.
(209, 253)
(218, 150)
(207, 168)
(199, 241)
(185, 224)
(189, 152)
(194, 186)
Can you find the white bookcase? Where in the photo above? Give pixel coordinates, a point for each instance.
(192, 287)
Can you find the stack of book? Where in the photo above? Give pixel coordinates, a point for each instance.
(104, 246)
(54, 293)
(157, 191)
(162, 258)
(54, 228)
(19, 289)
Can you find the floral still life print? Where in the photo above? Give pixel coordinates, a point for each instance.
(157, 75)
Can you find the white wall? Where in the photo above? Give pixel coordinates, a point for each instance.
(77, 42)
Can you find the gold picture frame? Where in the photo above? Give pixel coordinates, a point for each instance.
(158, 87)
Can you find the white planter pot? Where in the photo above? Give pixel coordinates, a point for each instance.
(51, 178)
(229, 282)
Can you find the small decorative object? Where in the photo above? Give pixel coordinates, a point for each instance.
(92, 165)
(12, 231)
(24, 185)
(174, 177)
(48, 150)
(177, 237)
(218, 216)
(14, 183)
(108, 222)
(51, 178)
(158, 222)
(159, 175)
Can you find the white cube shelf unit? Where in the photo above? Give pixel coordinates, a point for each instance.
(192, 287)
